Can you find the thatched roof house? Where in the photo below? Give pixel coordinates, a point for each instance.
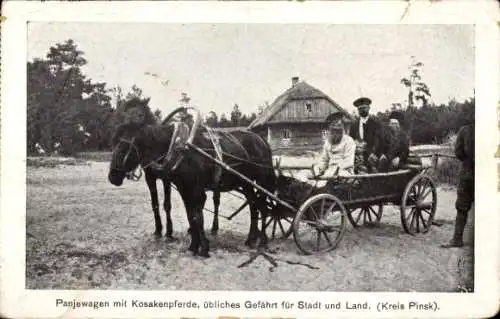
(297, 117)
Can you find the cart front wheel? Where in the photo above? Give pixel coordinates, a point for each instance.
(320, 224)
(418, 205)
(277, 227)
(366, 216)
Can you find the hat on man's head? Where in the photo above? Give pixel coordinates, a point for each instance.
(397, 115)
(362, 101)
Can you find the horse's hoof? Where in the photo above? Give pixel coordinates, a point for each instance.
(250, 243)
(157, 234)
(273, 251)
(193, 249)
(214, 232)
(263, 247)
(170, 239)
(204, 254)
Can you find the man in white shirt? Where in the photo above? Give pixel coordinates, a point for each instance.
(337, 156)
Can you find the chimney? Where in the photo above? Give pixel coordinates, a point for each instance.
(295, 80)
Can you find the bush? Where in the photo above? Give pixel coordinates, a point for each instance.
(447, 171)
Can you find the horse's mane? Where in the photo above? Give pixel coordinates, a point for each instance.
(149, 132)
(124, 128)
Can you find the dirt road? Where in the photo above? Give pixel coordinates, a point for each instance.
(83, 233)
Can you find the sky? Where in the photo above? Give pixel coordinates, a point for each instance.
(219, 65)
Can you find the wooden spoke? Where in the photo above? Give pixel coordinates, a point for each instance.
(359, 216)
(417, 215)
(424, 195)
(368, 212)
(412, 214)
(274, 229)
(314, 212)
(269, 222)
(327, 238)
(422, 220)
(426, 210)
(308, 239)
(281, 226)
(423, 188)
(330, 209)
(371, 215)
(318, 239)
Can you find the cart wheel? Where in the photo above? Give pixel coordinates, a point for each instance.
(418, 205)
(279, 223)
(366, 216)
(319, 224)
(279, 227)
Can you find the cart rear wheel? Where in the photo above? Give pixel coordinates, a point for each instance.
(418, 205)
(366, 216)
(320, 224)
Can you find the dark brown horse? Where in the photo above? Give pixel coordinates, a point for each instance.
(193, 173)
(131, 160)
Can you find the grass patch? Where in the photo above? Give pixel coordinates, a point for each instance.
(100, 156)
(447, 171)
(53, 162)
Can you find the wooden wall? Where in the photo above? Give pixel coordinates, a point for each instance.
(297, 111)
(295, 135)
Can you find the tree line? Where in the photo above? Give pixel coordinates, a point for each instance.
(434, 124)
(236, 118)
(68, 112)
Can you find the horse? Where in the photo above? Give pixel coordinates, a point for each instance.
(151, 177)
(193, 173)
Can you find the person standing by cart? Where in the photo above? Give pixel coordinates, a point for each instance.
(464, 151)
(366, 131)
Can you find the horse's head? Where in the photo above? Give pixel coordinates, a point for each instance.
(126, 152)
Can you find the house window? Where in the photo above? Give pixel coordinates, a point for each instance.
(308, 106)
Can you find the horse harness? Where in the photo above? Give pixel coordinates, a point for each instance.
(130, 175)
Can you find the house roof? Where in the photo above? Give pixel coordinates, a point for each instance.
(301, 90)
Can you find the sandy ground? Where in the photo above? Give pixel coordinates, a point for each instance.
(82, 232)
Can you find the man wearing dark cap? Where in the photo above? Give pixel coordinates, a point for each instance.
(337, 156)
(464, 151)
(366, 131)
(396, 145)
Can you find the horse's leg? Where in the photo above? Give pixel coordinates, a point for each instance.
(151, 181)
(190, 203)
(254, 218)
(215, 223)
(264, 213)
(167, 206)
(199, 224)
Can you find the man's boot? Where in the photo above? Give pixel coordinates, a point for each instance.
(457, 240)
